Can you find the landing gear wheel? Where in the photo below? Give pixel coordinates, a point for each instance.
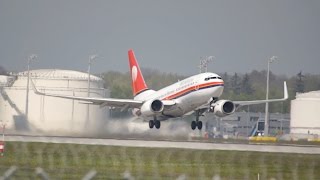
(157, 124)
(193, 125)
(151, 124)
(199, 124)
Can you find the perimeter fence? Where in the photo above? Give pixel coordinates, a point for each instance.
(24, 160)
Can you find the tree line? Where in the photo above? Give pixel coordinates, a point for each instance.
(3, 71)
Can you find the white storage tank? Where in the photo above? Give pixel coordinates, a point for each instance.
(305, 113)
(50, 115)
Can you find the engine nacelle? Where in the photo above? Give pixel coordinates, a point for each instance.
(223, 108)
(151, 107)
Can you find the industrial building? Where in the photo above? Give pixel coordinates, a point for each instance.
(244, 124)
(303, 122)
(34, 113)
(305, 113)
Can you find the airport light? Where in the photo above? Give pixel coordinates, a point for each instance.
(204, 61)
(266, 119)
(31, 58)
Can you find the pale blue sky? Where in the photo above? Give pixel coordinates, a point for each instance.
(169, 35)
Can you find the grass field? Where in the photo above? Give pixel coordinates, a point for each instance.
(70, 161)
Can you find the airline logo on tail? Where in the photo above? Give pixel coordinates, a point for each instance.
(138, 83)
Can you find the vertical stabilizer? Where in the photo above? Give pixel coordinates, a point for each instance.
(138, 83)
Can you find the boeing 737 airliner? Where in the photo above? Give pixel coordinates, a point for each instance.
(199, 93)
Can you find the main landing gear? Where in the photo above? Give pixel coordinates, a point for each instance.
(154, 123)
(196, 123)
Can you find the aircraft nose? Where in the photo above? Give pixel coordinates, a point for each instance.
(219, 90)
(222, 82)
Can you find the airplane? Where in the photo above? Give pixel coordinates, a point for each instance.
(199, 93)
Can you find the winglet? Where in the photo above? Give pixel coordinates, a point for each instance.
(285, 90)
(138, 83)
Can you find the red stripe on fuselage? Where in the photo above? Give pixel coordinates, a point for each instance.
(192, 88)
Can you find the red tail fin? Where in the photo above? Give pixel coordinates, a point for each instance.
(138, 83)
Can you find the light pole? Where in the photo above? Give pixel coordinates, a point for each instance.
(91, 59)
(30, 58)
(266, 119)
(204, 62)
(248, 113)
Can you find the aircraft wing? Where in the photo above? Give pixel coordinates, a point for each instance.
(237, 104)
(113, 102)
(243, 103)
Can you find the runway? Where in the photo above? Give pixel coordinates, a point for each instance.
(170, 144)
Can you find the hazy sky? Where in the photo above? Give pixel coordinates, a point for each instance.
(169, 35)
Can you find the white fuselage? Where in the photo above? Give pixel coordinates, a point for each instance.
(188, 94)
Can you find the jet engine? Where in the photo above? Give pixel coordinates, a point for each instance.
(223, 108)
(151, 107)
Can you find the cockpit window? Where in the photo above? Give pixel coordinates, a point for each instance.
(208, 78)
